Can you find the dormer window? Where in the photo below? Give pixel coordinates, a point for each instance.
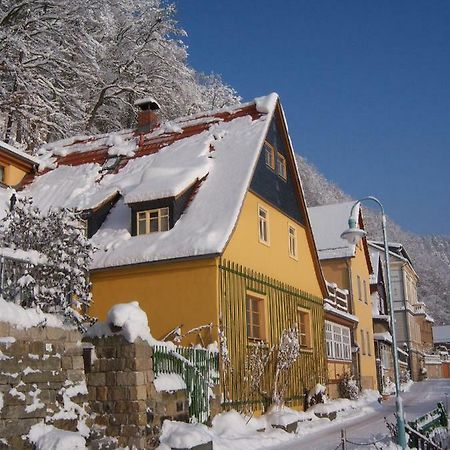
(152, 221)
(111, 163)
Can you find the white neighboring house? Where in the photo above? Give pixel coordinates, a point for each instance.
(408, 310)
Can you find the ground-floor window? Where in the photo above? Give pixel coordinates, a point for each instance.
(338, 341)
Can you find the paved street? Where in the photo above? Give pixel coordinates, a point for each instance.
(421, 398)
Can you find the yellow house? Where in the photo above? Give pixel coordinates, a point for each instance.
(14, 164)
(348, 266)
(203, 221)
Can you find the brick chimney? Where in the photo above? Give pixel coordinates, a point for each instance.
(147, 117)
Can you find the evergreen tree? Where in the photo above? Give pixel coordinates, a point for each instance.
(59, 281)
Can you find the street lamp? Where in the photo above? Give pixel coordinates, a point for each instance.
(354, 235)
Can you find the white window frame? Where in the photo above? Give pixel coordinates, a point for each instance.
(269, 155)
(162, 213)
(292, 241)
(338, 341)
(263, 225)
(281, 166)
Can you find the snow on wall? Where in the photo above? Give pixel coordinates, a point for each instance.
(26, 318)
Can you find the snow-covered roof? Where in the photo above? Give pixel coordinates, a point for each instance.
(18, 153)
(338, 312)
(385, 337)
(396, 250)
(441, 334)
(217, 151)
(328, 222)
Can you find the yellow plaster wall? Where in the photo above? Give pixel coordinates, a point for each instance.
(363, 311)
(337, 271)
(170, 293)
(13, 173)
(273, 259)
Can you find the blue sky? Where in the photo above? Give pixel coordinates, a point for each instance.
(365, 86)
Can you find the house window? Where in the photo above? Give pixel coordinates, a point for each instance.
(292, 235)
(358, 279)
(369, 347)
(365, 290)
(363, 344)
(255, 317)
(281, 166)
(263, 225)
(153, 220)
(338, 341)
(304, 328)
(2, 174)
(269, 153)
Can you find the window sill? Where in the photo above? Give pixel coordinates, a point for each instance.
(306, 349)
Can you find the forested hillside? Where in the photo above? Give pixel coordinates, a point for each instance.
(430, 254)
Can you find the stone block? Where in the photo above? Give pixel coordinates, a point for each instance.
(111, 378)
(95, 379)
(108, 364)
(66, 362)
(117, 393)
(5, 329)
(130, 378)
(72, 349)
(130, 430)
(37, 347)
(139, 364)
(205, 446)
(56, 334)
(78, 362)
(75, 375)
(102, 393)
(136, 392)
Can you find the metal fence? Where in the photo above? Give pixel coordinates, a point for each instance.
(198, 368)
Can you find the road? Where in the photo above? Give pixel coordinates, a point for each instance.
(421, 398)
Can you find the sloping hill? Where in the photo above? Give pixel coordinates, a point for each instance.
(430, 254)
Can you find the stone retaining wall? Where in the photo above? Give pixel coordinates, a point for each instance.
(122, 394)
(41, 374)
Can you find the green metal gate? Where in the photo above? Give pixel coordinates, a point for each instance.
(199, 369)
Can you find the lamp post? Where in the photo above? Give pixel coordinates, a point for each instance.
(354, 235)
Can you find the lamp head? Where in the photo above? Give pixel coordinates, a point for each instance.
(353, 234)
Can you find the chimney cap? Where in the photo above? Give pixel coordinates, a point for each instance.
(147, 103)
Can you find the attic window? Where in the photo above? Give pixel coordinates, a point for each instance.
(281, 166)
(111, 163)
(269, 153)
(152, 221)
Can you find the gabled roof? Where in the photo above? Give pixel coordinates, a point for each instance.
(18, 154)
(396, 250)
(328, 222)
(217, 150)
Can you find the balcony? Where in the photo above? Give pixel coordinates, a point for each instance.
(337, 298)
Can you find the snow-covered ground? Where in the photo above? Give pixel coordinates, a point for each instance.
(362, 419)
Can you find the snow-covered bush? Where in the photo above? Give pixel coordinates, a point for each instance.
(316, 395)
(255, 368)
(287, 353)
(348, 387)
(405, 376)
(58, 280)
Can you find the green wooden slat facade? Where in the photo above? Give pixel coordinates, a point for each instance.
(282, 303)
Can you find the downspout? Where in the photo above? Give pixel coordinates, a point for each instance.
(357, 360)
